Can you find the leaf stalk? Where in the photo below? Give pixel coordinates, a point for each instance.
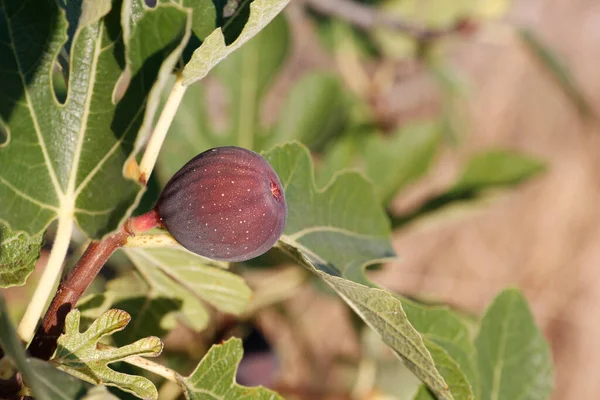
(160, 131)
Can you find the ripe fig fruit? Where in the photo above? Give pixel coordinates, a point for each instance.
(226, 204)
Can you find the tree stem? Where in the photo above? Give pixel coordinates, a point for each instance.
(79, 279)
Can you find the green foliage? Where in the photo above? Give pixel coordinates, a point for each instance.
(313, 112)
(495, 168)
(78, 354)
(342, 225)
(81, 92)
(409, 150)
(443, 328)
(44, 380)
(487, 170)
(18, 254)
(173, 285)
(514, 359)
(214, 48)
(214, 377)
(70, 153)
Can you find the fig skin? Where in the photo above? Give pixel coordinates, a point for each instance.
(226, 203)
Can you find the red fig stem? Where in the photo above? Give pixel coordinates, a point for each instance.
(79, 279)
(145, 222)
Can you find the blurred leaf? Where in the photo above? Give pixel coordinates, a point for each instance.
(315, 110)
(77, 353)
(391, 162)
(245, 76)
(18, 255)
(342, 223)
(496, 168)
(71, 153)
(179, 280)
(155, 313)
(490, 169)
(558, 70)
(514, 358)
(214, 377)
(346, 152)
(214, 48)
(394, 162)
(44, 380)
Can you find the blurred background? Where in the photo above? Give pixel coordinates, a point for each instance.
(476, 121)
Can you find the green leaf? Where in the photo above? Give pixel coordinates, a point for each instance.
(383, 312)
(514, 358)
(336, 232)
(342, 223)
(155, 314)
(314, 112)
(214, 48)
(394, 162)
(442, 327)
(490, 169)
(44, 380)
(175, 283)
(558, 70)
(410, 150)
(214, 377)
(77, 353)
(496, 168)
(71, 153)
(456, 380)
(18, 255)
(246, 75)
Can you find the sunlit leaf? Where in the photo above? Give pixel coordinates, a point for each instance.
(77, 353)
(342, 223)
(214, 47)
(214, 377)
(72, 153)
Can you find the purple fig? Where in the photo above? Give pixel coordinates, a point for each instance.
(226, 204)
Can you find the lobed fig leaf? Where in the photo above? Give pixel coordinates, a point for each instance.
(70, 153)
(214, 377)
(79, 355)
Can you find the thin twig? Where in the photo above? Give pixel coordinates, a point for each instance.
(368, 18)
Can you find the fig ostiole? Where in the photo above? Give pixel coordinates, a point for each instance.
(226, 203)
